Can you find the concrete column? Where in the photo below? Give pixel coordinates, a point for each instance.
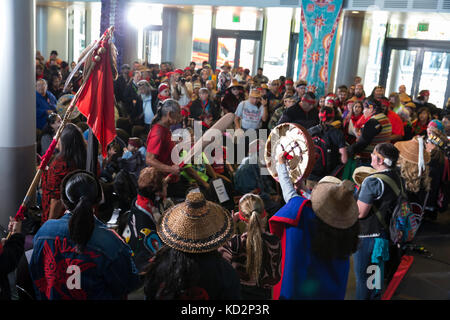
(185, 24)
(41, 30)
(18, 107)
(349, 49)
(130, 46)
(395, 62)
(169, 32)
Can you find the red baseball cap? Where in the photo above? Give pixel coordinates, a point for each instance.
(179, 71)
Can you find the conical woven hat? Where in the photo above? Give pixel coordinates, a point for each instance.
(409, 150)
(333, 202)
(196, 225)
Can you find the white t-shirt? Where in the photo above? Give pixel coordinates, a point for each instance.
(250, 115)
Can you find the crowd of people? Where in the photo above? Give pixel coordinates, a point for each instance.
(177, 236)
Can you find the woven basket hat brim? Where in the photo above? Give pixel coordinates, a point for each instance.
(409, 151)
(361, 173)
(201, 233)
(334, 204)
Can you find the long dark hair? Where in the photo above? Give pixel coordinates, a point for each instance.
(172, 273)
(51, 119)
(73, 146)
(80, 192)
(329, 243)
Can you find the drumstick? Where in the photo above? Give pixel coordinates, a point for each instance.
(222, 124)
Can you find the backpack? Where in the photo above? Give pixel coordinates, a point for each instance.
(322, 166)
(404, 221)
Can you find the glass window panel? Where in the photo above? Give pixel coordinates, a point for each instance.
(401, 70)
(403, 25)
(237, 18)
(226, 48)
(277, 42)
(434, 76)
(249, 54)
(141, 15)
(201, 34)
(153, 46)
(79, 31)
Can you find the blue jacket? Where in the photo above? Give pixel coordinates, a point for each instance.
(107, 269)
(304, 276)
(42, 106)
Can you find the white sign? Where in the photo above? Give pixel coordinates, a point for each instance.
(220, 190)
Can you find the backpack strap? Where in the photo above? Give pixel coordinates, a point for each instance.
(396, 190)
(390, 182)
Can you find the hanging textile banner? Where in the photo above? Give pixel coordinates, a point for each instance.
(317, 38)
(113, 13)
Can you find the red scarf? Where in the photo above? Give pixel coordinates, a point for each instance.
(144, 203)
(361, 122)
(162, 98)
(355, 119)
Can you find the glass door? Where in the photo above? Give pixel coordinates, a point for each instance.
(248, 55)
(238, 48)
(226, 51)
(401, 70)
(152, 44)
(434, 75)
(419, 65)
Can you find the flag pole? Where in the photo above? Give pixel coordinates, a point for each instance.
(46, 158)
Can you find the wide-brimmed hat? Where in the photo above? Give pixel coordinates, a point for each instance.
(361, 173)
(333, 202)
(255, 93)
(409, 150)
(196, 225)
(226, 65)
(234, 84)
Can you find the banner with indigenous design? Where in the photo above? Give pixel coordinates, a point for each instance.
(317, 38)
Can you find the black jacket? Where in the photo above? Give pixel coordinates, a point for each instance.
(198, 113)
(10, 255)
(133, 104)
(295, 114)
(119, 88)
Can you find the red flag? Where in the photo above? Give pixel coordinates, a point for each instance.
(96, 101)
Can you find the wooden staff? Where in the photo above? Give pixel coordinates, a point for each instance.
(51, 149)
(222, 124)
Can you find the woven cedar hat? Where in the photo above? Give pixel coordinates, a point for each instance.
(234, 83)
(361, 173)
(333, 202)
(409, 150)
(196, 225)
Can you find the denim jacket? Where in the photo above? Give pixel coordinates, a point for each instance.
(104, 270)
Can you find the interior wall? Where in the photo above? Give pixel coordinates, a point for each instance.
(57, 38)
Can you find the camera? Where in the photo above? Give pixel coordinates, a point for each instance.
(182, 80)
(316, 130)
